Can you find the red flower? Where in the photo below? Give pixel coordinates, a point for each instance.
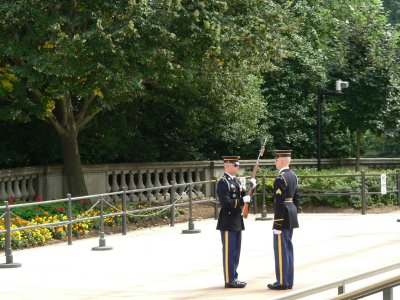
(62, 208)
(82, 201)
(39, 208)
(38, 198)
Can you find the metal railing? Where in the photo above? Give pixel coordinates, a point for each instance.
(341, 285)
(175, 201)
(386, 286)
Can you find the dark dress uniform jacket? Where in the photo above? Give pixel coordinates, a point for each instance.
(286, 200)
(230, 192)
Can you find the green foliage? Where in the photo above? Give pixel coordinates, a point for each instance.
(315, 190)
(192, 80)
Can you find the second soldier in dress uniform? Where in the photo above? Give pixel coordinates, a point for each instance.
(286, 204)
(232, 197)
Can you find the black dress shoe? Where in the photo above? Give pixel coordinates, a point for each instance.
(235, 284)
(241, 282)
(277, 286)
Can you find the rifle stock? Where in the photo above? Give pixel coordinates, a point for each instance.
(246, 206)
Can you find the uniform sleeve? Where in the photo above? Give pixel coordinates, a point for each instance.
(224, 195)
(279, 200)
(296, 198)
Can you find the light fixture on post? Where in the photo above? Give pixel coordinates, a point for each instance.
(339, 86)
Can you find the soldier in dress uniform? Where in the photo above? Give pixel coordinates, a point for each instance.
(231, 195)
(286, 205)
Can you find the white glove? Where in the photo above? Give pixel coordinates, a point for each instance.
(276, 231)
(246, 199)
(253, 182)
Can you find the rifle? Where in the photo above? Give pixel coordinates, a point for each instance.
(253, 175)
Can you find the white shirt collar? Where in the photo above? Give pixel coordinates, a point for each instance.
(284, 168)
(232, 177)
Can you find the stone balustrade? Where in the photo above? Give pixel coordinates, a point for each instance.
(49, 182)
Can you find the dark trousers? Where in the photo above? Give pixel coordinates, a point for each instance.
(231, 244)
(284, 258)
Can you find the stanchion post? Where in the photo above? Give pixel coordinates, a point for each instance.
(172, 200)
(264, 206)
(398, 188)
(69, 211)
(363, 200)
(398, 191)
(216, 199)
(102, 239)
(191, 224)
(254, 197)
(124, 211)
(8, 251)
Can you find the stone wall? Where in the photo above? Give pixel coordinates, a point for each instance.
(49, 182)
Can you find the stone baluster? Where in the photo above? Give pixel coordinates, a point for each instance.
(31, 190)
(114, 185)
(108, 186)
(132, 186)
(182, 189)
(173, 178)
(10, 192)
(3, 194)
(149, 184)
(190, 180)
(24, 191)
(165, 183)
(16, 189)
(123, 181)
(140, 185)
(198, 186)
(157, 183)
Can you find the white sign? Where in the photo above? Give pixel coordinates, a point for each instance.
(383, 184)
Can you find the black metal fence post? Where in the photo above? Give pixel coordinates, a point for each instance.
(8, 251)
(254, 200)
(398, 188)
(216, 200)
(124, 211)
(191, 224)
(172, 202)
(102, 239)
(363, 197)
(398, 191)
(69, 211)
(264, 206)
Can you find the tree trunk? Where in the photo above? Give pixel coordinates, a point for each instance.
(68, 125)
(358, 147)
(73, 172)
(67, 128)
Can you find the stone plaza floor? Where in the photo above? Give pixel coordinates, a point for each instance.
(163, 263)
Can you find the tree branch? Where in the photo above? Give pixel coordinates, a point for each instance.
(64, 109)
(57, 126)
(87, 119)
(81, 115)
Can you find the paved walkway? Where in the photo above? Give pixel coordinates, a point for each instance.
(163, 263)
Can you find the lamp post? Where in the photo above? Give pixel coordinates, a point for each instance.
(339, 86)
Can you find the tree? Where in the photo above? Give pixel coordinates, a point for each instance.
(72, 60)
(369, 62)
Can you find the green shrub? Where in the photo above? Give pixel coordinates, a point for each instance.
(319, 190)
